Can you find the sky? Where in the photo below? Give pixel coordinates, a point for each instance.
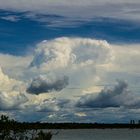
(70, 61)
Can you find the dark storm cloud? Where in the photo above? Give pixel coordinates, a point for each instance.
(114, 97)
(40, 85)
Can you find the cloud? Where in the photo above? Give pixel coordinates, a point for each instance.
(8, 84)
(53, 60)
(52, 54)
(42, 85)
(73, 10)
(11, 18)
(15, 66)
(64, 52)
(79, 66)
(118, 96)
(77, 58)
(52, 105)
(11, 97)
(12, 100)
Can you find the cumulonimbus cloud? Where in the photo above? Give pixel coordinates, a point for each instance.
(77, 58)
(80, 64)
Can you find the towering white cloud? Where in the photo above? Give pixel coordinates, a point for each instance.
(76, 58)
(69, 52)
(52, 54)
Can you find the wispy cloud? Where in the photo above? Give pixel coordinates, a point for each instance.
(92, 8)
(11, 18)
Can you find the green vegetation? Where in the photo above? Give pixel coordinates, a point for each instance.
(12, 130)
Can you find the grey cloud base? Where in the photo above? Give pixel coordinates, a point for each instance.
(116, 97)
(41, 85)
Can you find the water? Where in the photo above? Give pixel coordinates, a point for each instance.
(98, 134)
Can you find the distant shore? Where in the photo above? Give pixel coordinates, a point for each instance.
(10, 124)
(38, 125)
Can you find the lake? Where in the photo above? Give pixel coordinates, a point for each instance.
(98, 134)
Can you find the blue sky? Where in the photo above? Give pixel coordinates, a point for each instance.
(70, 61)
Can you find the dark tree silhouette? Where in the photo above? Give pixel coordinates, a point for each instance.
(12, 130)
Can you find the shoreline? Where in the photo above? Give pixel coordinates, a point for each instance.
(37, 125)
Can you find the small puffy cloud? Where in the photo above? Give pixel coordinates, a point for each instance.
(80, 114)
(41, 85)
(118, 96)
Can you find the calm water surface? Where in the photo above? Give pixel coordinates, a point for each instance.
(98, 134)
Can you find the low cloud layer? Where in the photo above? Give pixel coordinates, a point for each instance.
(42, 85)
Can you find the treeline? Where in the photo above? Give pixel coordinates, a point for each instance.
(38, 125)
(12, 124)
(13, 130)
